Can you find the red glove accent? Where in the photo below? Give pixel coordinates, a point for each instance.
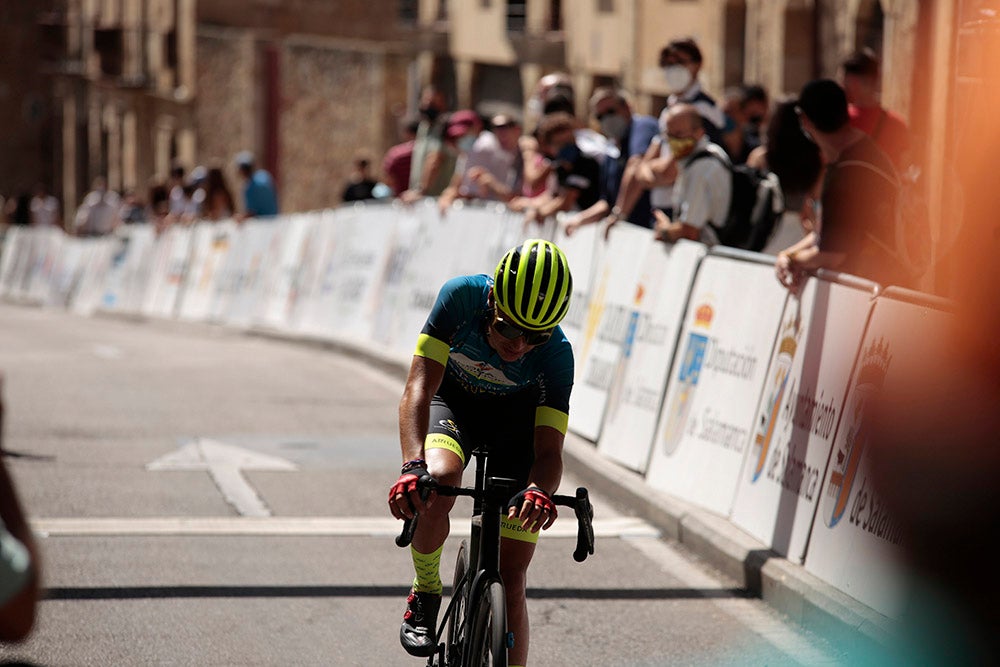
(536, 497)
(407, 484)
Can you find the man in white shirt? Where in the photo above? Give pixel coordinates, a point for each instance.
(703, 188)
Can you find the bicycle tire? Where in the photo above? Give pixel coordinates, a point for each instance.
(455, 634)
(487, 636)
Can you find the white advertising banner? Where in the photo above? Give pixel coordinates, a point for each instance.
(13, 259)
(429, 266)
(315, 283)
(67, 267)
(278, 294)
(728, 333)
(125, 282)
(612, 299)
(169, 268)
(87, 296)
(640, 379)
(210, 244)
(804, 390)
(45, 259)
(246, 274)
(854, 543)
(582, 251)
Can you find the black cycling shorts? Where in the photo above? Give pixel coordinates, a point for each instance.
(504, 425)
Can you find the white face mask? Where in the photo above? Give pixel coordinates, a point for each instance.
(466, 142)
(614, 127)
(678, 77)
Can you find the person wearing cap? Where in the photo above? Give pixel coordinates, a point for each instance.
(260, 199)
(493, 166)
(460, 133)
(858, 201)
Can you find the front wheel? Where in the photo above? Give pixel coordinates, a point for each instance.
(459, 592)
(487, 636)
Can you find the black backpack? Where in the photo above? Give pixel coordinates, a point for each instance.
(755, 207)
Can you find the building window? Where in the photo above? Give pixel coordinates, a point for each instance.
(555, 16)
(409, 12)
(109, 47)
(606, 6)
(517, 14)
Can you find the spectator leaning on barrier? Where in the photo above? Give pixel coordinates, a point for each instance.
(44, 208)
(428, 156)
(703, 188)
(794, 159)
(746, 110)
(398, 160)
(577, 174)
(858, 202)
(461, 133)
(260, 199)
(631, 135)
(98, 213)
(494, 167)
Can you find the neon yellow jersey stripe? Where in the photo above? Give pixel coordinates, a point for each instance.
(557, 419)
(432, 348)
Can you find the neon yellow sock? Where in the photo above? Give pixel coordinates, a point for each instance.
(428, 570)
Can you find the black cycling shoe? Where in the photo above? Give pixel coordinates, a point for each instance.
(416, 634)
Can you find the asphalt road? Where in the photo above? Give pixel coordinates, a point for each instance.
(206, 497)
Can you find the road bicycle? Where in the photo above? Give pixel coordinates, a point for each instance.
(473, 630)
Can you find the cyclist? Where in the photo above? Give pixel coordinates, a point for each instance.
(492, 368)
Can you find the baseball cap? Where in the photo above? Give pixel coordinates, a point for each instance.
(460, 122)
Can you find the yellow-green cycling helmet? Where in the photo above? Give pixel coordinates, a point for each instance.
(532, 285)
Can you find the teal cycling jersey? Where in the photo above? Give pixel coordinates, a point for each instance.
(455, 335)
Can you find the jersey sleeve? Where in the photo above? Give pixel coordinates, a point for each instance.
(456, 302)
(555, 385)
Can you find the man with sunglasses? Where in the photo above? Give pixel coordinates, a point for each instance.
(492, 367)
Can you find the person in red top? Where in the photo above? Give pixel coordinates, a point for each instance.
(861, 74)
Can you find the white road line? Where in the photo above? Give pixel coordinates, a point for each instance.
(749, 612)
(293, 526)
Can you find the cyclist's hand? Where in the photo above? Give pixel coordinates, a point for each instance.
(534, 508)
(404, 496)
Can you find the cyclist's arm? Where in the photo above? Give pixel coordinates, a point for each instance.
(423, 381)
(546, 472)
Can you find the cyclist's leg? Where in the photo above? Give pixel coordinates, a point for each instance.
(445, 458)
(515, 556)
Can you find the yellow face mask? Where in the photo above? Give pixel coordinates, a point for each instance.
(680, 148)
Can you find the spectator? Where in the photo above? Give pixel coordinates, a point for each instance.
(179, 198)
(631, 135)
(462, 130)
(681, 62)
(704, 183)
(858, 201)
(19, 560)
(794, 159)
(194, 192)
(159, 207)
(360, 184)
(218, 203)
(429, 159)
(133, 210)
(260, 199)
(746, 111)
(577, 175)
(98, 213)
(861, 77)
(18, 209)
(493, 168)
(44, 208)
(555, 84)
(399, 158)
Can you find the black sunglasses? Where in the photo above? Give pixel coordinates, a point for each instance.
(510, 332)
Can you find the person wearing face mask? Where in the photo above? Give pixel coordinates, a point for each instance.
(703, 185)
(464, 134)
(681, 62)
(631, 134)
(577, 174)
(426, 162)
(746, 109)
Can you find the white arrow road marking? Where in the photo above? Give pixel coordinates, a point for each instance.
(346, 526)
(224, 462)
